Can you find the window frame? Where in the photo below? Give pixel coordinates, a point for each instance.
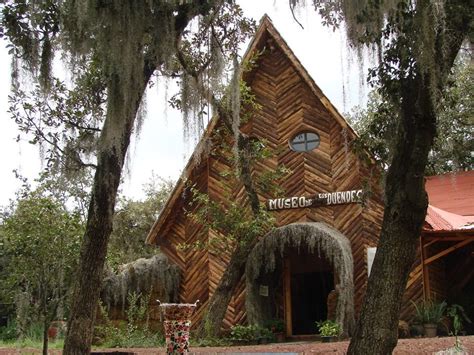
(305, 141)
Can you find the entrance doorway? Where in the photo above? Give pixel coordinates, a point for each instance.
(309, 292)
(309, 281)
(308, 253)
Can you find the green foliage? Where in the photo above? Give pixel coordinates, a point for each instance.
(429, 312)
(135, 332)
(230, 221)
(65, 124)
(32, 338)
(329, 328)
(275, 325)
(457, 315)
(41, 243)
(132, 222)
(453, 147)
(377, 123)
(8, 333)
(250, 333)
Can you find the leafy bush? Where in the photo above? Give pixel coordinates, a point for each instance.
(429, 312)
(8, 332)
(135, 331)
(329, 328)
(250, 333)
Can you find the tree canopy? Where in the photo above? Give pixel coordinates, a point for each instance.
(452, 147)
(41, 241)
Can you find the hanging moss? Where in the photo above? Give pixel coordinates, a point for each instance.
(155, 274)
(314, 238)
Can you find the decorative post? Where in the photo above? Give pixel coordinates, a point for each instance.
(177, 322)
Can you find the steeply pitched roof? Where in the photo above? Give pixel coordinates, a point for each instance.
(265, 31)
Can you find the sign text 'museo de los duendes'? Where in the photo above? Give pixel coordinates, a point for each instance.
(321, 199)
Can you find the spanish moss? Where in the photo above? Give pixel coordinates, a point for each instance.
(315, 238)
(142, 276)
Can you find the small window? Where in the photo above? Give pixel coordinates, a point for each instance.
(304, 142)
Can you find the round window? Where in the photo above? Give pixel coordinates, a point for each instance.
(304, 141)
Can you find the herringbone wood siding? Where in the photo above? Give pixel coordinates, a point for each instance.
(289, 105)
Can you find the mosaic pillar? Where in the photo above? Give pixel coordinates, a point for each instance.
(177, 323)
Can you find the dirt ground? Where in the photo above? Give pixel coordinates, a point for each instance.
(405, 346)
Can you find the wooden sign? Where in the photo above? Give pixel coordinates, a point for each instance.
(322, 199)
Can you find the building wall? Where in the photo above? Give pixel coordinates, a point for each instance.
(288, 107)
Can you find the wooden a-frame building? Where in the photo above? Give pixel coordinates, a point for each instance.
(308, 136)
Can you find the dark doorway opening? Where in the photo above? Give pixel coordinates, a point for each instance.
(309, 292)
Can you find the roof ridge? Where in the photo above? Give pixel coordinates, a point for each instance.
(265, 26)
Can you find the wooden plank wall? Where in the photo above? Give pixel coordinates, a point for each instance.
(288, 107)
(194, 263)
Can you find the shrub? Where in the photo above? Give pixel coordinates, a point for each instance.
(250, 333)
(329, 328)
(132, 333)
(8, 333)
(429, 312)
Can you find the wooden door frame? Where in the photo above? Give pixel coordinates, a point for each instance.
(287, 296)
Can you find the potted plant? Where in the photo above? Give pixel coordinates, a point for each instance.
(430, 314)
(329, 330)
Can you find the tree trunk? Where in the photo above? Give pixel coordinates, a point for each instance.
(45, 336)
(114, 141)
(405, 209)
(124, 98)
(405, 196)
(220, 299)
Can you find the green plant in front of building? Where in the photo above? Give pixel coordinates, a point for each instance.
(429, 312)
(457, 315)
(250, 334)
(134, 332)
(329, 328)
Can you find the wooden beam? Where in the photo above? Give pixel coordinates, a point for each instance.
(432, 241)
(425, 274)
(417, 272)
(447, 251)
(287, 292)
(413, 278)
(448, 238)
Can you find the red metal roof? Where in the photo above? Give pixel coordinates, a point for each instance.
(452, 192)
(451, 202)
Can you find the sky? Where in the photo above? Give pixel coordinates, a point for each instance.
(160, 148)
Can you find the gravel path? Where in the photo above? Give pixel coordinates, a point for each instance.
(405, 347)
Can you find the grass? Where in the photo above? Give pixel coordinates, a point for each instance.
(31, 343)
